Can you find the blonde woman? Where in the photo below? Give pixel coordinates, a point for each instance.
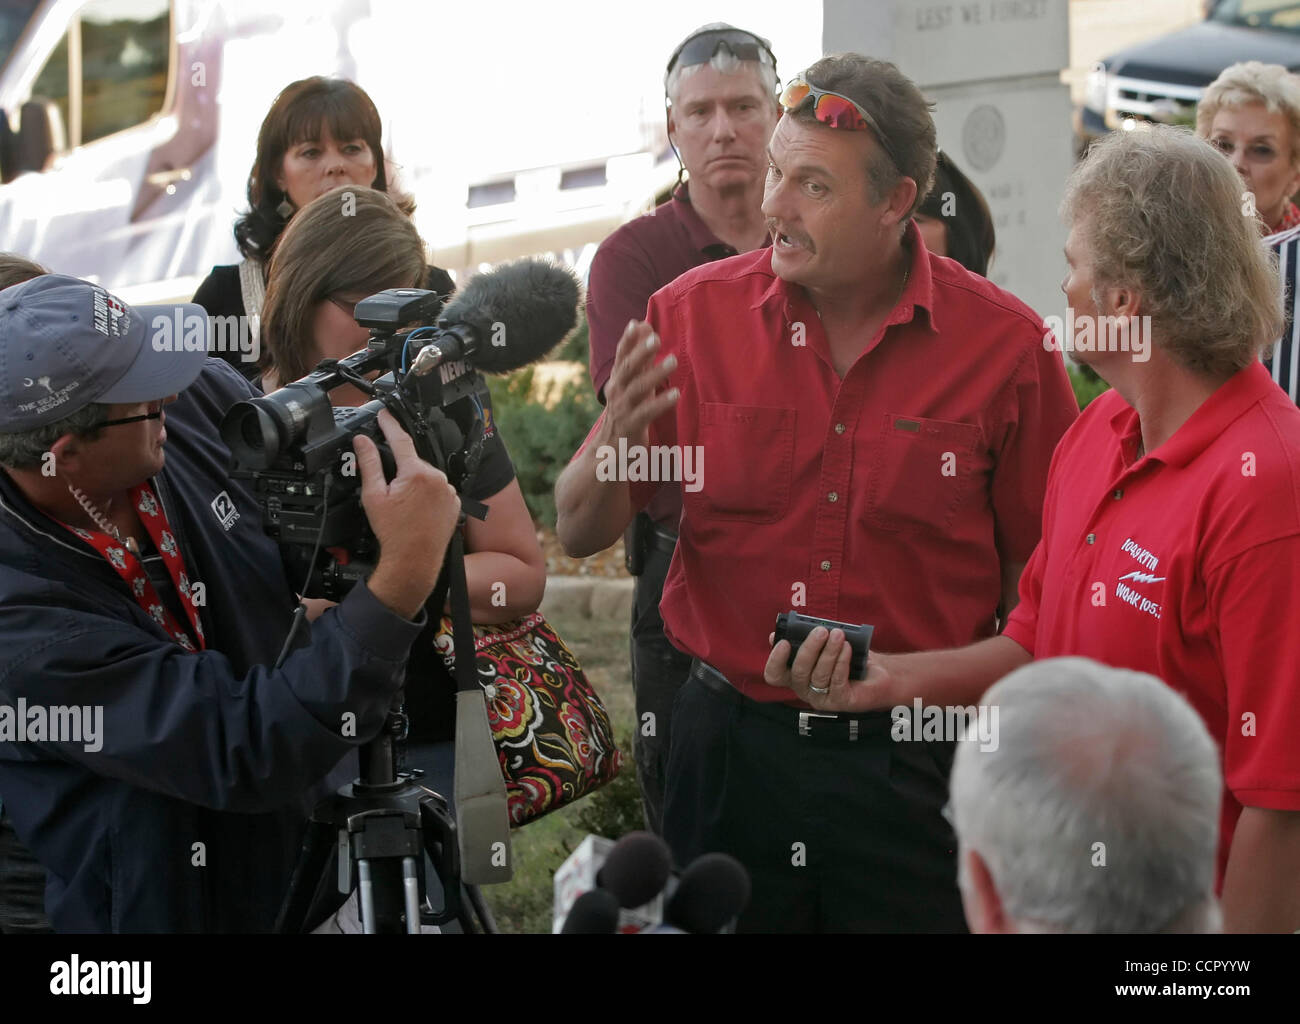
(1251, 113)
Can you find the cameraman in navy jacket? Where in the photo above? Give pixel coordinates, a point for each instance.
(140, 598)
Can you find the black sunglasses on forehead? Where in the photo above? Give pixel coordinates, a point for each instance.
(700, 48)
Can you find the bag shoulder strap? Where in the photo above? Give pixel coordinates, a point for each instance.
(253, 289)
(464, 671)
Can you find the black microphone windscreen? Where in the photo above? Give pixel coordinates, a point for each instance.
(712, 890)
(519, 311)
(595, 912)
(636, 869)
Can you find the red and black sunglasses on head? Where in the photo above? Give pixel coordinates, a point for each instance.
(835, 110)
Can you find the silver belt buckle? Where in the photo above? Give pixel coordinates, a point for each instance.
(805, 729)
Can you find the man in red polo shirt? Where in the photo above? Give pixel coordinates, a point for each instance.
(862, 432)
(1171, 527)
(721, 89)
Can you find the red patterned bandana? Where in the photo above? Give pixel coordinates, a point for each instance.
(131, 569)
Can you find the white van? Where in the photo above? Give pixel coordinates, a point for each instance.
(127, 129)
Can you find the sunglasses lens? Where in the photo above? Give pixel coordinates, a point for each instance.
(795, 93)
(839, 113)
(700, 49)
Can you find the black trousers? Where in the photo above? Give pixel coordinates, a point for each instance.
(839, 834)
(658, 670)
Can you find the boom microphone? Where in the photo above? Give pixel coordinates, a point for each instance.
(505, 318)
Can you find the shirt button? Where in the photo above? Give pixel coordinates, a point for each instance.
(826, 566)
(1092, 538)
(839, 428)
(1119, 494)
(833, 496)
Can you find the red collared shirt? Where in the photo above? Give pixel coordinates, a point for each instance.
(1184, 564)
(890, 497)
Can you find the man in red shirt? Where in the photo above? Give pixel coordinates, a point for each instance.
(721, 89)
(1171, 527)
(862, 432)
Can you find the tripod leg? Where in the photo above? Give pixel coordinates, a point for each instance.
(411, 890)
(366, 895)
(484, 913)
(317, 845)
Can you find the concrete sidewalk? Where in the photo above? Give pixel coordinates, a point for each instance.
(591, 597)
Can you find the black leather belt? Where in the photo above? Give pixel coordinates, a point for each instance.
(842, 725)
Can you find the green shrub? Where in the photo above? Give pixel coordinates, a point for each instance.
(614, 810)
(1087, 385)
(541, 437)
(576, 347)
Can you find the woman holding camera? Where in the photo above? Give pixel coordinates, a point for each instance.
(320, 134)
(326, 262)
(339, 249)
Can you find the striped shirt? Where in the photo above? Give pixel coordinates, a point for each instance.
(1284, 364)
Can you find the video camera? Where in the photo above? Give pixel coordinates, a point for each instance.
(296, 450)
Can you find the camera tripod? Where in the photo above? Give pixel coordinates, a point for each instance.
(383, 823)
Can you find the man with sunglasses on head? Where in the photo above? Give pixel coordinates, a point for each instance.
(720, 88)
(878, 424)
(151, 757)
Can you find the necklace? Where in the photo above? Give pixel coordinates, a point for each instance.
(102, 522)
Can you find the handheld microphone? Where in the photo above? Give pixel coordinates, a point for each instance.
(631, 873)
(712, 892)
(595, 912)
(636, 870)
(505, 318)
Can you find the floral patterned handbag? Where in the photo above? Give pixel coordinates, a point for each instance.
(552, 733)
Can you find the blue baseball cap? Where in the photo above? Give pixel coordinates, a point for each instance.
(66, 343)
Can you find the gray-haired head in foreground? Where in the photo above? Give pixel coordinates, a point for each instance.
(1089, 755)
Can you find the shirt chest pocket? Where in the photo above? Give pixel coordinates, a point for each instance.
(750, 455)
(921, 472)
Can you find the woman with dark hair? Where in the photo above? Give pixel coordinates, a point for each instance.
(322, 266)
(320, 134)
(954, 219)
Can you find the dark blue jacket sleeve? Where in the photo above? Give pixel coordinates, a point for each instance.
(187, 725)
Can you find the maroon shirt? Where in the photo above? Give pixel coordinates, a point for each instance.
(631, 265)
(892, 496)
